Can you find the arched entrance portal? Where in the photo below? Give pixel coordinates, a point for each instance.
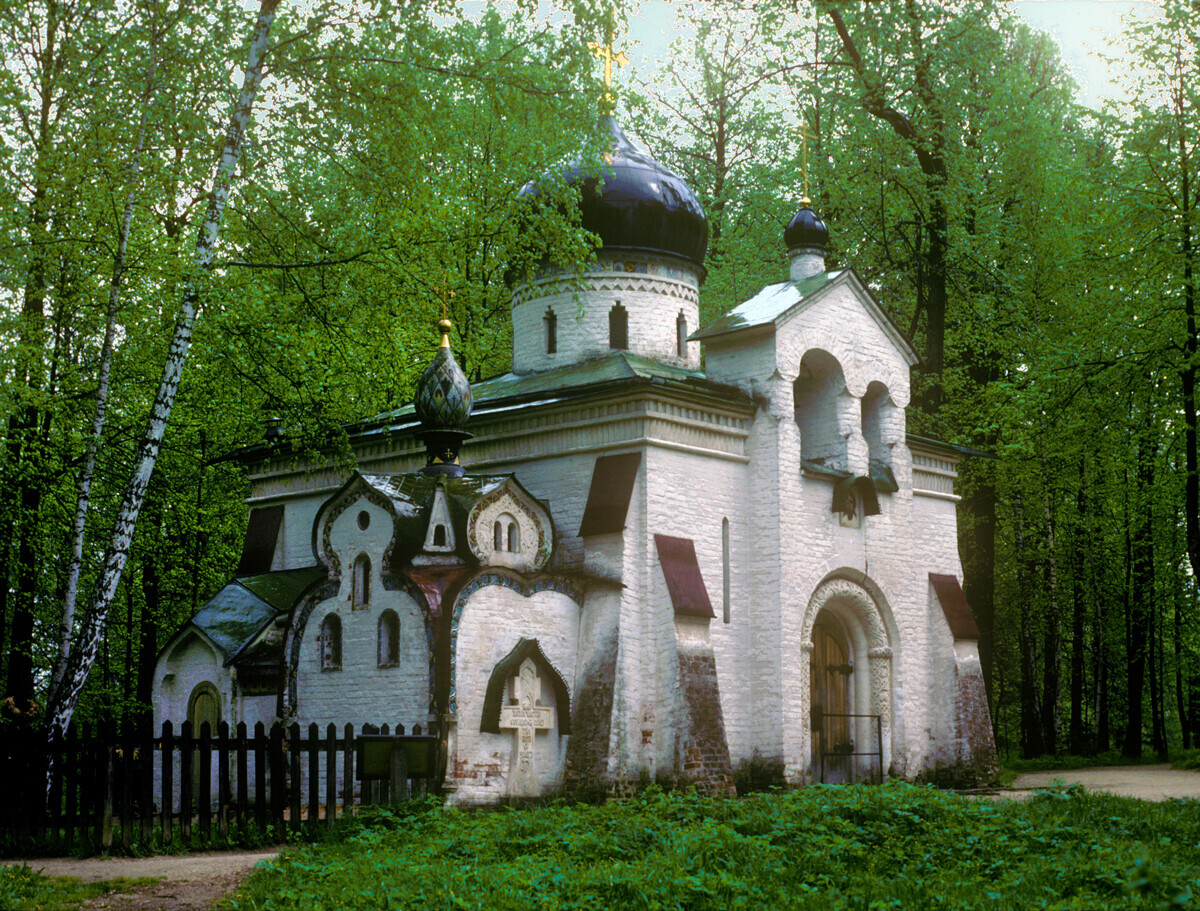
(846, 648)
(204, 707)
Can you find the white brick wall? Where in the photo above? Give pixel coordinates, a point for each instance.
(362, 692)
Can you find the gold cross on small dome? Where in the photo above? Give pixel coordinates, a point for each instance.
(805, 135)
(444, 325)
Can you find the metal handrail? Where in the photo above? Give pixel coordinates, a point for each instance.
(878, 740)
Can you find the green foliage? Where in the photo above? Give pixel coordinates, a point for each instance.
(1187, 759)
(821, 847)
(758, 774)
(1076, 761)
(25, 889)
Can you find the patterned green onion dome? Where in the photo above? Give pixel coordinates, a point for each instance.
(443, 400)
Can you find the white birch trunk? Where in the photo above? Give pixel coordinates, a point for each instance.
(84, 484)
(64, 697)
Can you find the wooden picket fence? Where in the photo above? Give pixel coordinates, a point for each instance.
(107, 789)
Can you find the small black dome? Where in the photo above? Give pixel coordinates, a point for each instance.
(806, 229)
(637, 204)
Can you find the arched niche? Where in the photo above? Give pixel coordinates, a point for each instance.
(508, 667)
(822, 404)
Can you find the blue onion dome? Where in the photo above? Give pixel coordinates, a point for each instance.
(636, 203)
(806, 229)
(443, 400)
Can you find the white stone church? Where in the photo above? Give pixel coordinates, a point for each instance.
(652, 550)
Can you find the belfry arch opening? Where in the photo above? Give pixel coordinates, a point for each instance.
(820, 397)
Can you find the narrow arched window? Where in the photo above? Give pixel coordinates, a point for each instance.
(618, 327)
(330, 642)
(514, 537)
(551, 322)
(439, 536)
(498, 536)
(681, 335)
(389, 639)
(362, 581)
(725, 568)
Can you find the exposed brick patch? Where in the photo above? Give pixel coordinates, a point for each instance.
(703, 749)
(591, 722)
(979, 763)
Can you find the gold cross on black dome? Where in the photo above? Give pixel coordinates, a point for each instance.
(606, 53)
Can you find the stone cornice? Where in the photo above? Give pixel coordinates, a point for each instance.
(641, 416)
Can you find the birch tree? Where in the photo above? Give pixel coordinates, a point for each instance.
(87, 470)
(81, 656)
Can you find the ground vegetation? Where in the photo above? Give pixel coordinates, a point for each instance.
(820, 847)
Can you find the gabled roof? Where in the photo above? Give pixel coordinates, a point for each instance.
(766, 306)
(235, 615)
(410, 498)
(775, 302)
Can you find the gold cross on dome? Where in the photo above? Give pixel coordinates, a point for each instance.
(605, 52)
(444, 291)
(805, 135)
(444, 326)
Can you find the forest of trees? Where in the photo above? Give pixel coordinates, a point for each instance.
(289, 189)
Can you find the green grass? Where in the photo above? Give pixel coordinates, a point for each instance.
(25, 889)
(896, 846)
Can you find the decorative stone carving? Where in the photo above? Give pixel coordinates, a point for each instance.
(525, 549)
(854, 596)
(525, 719)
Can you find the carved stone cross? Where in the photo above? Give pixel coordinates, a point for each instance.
(526, 718)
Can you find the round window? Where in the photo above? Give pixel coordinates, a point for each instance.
(364, 519)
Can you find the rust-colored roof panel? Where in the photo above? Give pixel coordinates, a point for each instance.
(610, 493)
(677, 556)
(258, 550)
(954, 606)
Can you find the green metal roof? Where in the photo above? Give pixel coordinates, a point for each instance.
(238, 612)
(620, 365)
(511, 389)
(232, 617)
(282, 589)
(767, 306)
(573, 379)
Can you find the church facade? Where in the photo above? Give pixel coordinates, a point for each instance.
(621, 562)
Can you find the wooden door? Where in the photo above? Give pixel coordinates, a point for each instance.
(204, 705)
(830, 690)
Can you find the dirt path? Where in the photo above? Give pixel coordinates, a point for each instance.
(186, 883)
(1149, 782)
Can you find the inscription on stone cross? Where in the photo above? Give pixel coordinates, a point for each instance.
(525, 719)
